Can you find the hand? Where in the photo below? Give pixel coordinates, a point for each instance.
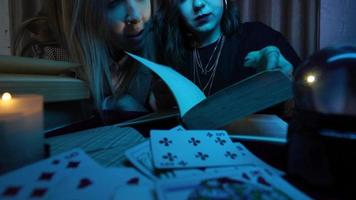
(269, 58)
(123, 103)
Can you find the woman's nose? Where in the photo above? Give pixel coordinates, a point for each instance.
(133, 15)
(198, 5)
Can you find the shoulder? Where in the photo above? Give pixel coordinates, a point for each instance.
(256, 35)
(257, 29)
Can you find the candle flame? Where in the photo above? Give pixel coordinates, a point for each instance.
(311, 79)
(6, 96)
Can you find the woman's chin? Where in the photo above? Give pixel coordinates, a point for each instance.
(133, 47)
(204, 29)
(135, 44)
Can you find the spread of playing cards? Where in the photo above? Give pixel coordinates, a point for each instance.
(171, 164)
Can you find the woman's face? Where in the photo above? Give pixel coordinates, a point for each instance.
(202, 16)
(127, 22)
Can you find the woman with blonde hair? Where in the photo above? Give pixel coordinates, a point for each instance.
(96, 33)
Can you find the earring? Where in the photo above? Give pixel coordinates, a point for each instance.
(225, 2)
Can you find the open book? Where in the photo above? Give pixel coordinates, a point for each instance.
(241, 99)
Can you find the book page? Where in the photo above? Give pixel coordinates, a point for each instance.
(186, 93)
(239, 100)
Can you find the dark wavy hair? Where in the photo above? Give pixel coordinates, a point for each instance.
(173, 37)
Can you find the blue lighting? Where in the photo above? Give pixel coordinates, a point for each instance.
(342, 56)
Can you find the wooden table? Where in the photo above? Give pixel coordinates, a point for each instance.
(106, 144)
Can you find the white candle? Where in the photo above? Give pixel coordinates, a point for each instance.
(21, 130)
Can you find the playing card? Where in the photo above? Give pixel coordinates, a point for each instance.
(256, 161)
(263, 178)
(141, 157)
(232, 188)
(240, 147)
(36, 180)
(135, 193)
(177, 128)
(229, 185)
(194, 149)
(183, 188)
(98, 184)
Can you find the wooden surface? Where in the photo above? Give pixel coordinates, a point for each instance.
(106, 144)
(239, 100)
(52, 88)
(24, 65)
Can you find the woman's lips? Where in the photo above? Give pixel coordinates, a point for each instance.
(202, 18)
(134, 35)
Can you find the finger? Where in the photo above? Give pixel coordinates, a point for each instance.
(272, 58)
(252, 59)
(286, 66)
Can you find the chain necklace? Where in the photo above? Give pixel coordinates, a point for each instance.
(205, 69)
(210, 67)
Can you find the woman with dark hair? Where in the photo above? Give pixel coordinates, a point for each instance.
(205, 41)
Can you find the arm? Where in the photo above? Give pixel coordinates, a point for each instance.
(268, 49)
(123, 103)
(269, 58)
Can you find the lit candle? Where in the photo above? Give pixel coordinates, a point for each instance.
(21, 130)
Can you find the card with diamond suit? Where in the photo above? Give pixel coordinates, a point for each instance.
(36, 180)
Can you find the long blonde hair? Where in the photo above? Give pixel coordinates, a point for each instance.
(80, 25)
(82, 28)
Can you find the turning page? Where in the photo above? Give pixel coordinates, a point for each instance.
(186, 93)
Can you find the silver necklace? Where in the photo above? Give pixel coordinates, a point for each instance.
(196, 56)
(199, 69)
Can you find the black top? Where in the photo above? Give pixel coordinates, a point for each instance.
(253, 36)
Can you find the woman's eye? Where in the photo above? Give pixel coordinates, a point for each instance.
(114, 3)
